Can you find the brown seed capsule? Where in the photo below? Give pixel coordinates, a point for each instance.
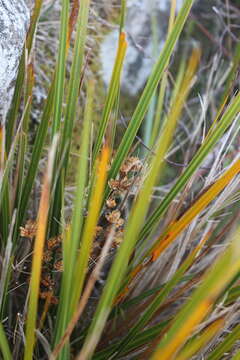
(131, 164)
(54, 242)
(58, 266)
(30, 229)
(111, 203)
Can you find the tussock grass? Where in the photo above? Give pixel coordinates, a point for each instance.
(145, 263)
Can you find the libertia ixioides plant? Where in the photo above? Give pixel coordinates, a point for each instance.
(165, 241)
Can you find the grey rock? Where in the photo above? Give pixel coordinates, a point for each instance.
(14, 21)
(141, 52)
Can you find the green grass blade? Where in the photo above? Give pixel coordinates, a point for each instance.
(159, 299)
(112, 94)
(5, 214)
(23, 143)
(159, 97)
(123, 15)
(4, 346)
(70, 253)
(13, 112)
(90, 226)
(61, 69)
(138, 212)
(142, 339)
(33, 23)
(202, 300)
(176, 227)
(6, 269)
(4, 179)
(165, 140)
(149, 89)
(57, 205)
(35, 158)
(89, 230)
(75, 76)
(204, 150)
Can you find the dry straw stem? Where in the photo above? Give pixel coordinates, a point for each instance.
(37, 256)
(202, 301)
(45, 309)
(72, 20)
(200, 341)
(153, 307)
(226, 345)
(177, 227)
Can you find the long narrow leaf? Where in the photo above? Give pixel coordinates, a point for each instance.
(61, 69)
(37, 257)
(174, 229)
(201, 302)
(112, 92)
(75, 76)
(138, 212)
(149, 89)
(227, 118)
(74, 232)
(4, 346)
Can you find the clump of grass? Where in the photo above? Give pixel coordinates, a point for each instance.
(168, 254)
